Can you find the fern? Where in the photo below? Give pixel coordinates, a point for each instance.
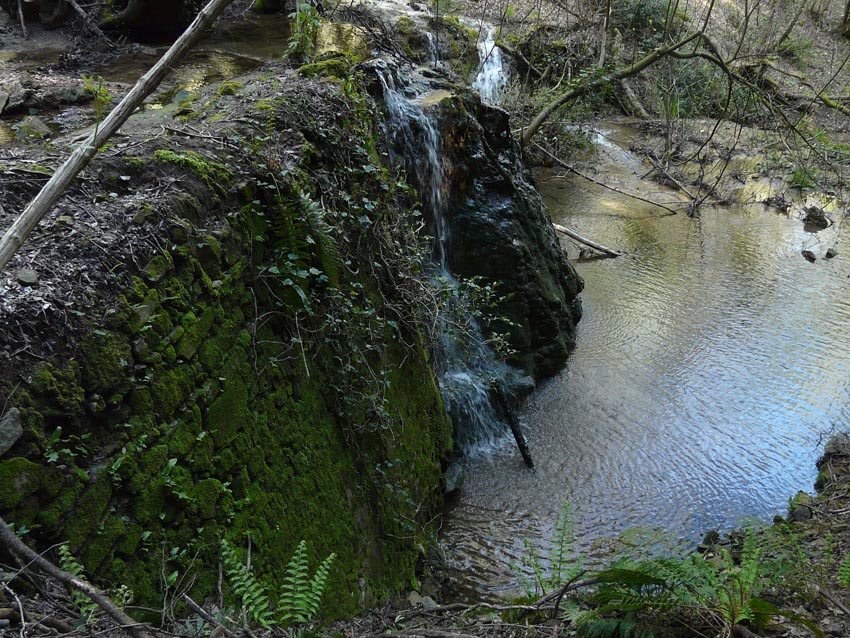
(301, 595)
(844, 572)
(565, 563)
(70, 564)
(252, 593)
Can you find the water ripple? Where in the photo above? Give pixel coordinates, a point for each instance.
(709, 362)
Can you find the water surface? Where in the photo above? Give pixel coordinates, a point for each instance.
(709, 363)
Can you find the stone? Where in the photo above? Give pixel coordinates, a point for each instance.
(830, 253)
(815, 217)
(454, 476)
(27, 277)
(832, 627)
(808, 255)
(429, 603)
(414, 599)
(34, 125)
(11, 429)
(801, 513)
(4, 100)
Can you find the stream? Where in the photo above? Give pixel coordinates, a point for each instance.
(709, 364)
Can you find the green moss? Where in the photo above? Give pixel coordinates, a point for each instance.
(62, 505)
(228, 413)
(106, 356)
(196, 330)
(229, 87)
(19, 478)
(88, 512)
(206, 496)
(404, 25)
(60, 388)
(214, 174)
(171, 387)
(103, 542)
(335, 67)
(157, 268)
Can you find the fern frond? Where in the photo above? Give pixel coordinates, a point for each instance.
(317, 584)
(844, 572)
(301, 595)
(251, 592)
(70, 564)
(563, 561)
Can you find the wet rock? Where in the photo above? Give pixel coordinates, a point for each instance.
(815, 217)
(801, 513)
(454, 477)
(428, 602)
(414, 598)
(4, 100)
(833, 627)
(830, 253)
(11, 429)
(808, 255)
(27, 277)
(33, 126)
(500, 230)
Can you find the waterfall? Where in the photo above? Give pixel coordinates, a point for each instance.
(433, 51)
(467, 370)
(491, 79)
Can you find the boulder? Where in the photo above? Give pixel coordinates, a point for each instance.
(814, 217)
(499, 230)
(11, 429)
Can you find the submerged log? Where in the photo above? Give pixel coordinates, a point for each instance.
(513, 422)
(584, 240)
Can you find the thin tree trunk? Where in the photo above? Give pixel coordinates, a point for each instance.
(79, 159)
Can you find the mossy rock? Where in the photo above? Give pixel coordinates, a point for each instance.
(338, 66)
(20, 478)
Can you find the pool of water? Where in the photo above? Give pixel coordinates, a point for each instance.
(710, 362)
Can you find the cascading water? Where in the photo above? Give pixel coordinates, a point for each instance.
(491, 79)
(467, 370)
(433, 50)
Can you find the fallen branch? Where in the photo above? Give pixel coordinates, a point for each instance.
(834, 600)
(7, 613)
(513, 422)
(203, 613)
(588, 87)
(584, 240)
(80, 158)
(666, 174)
(9, 539)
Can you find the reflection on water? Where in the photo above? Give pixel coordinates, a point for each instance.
(709, 362)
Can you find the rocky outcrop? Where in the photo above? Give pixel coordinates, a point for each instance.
(233, 359)
(500, 230)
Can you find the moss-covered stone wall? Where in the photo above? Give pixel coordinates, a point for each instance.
(255, 376)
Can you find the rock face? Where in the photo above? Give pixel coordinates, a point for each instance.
(167, 412)
(499, 229)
